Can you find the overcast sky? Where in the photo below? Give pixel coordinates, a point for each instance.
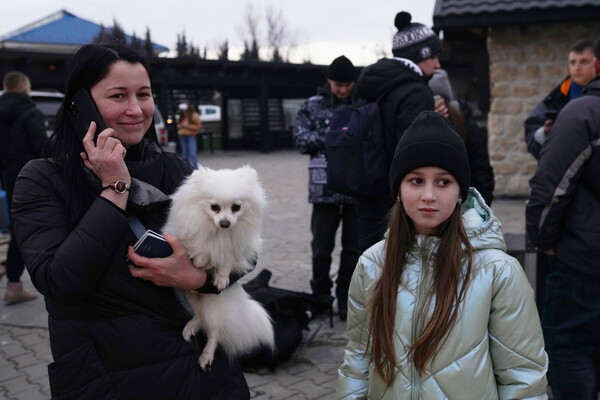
(321, 29)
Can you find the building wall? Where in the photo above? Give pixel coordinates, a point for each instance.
(526, 62)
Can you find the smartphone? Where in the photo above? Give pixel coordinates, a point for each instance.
(551, 114)
(82, 111)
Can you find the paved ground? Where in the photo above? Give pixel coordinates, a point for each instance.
(310, 373)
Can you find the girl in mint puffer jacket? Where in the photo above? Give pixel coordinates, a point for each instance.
(438, 310)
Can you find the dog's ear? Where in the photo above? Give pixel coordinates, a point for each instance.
(249, 172)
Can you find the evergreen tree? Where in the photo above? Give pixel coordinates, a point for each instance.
(148, 46)
(136, 44)
(182, 47)
(223, 51)
(101, 37)
(118, 34)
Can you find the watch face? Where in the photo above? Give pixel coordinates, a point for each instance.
(120, 186)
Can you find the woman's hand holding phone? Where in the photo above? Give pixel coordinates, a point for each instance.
(106, 159)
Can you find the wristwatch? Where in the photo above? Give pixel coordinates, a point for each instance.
(118, 186)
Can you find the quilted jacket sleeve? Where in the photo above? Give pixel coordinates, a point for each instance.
(516, 342)
(64, 264)
(353, 374)
(309, 128)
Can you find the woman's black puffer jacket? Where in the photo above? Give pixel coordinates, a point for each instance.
(112, 336)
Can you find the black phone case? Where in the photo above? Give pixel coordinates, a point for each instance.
(82, 111)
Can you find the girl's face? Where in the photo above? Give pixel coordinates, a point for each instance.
(429, 196)
(124, 99)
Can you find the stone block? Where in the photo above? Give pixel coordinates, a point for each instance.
(525, 91)
(505, 168)
(510, 106)
(500, 89)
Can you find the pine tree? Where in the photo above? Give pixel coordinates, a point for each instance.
(102, 36)
(118, 34)
(148, 46)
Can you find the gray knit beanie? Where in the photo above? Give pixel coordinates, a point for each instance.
(430, 141)
(414, 41)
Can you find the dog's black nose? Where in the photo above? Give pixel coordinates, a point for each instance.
(224, 223)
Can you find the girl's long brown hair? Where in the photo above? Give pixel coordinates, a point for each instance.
(448, 291)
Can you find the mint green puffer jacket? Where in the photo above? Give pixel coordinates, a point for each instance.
(494, 351)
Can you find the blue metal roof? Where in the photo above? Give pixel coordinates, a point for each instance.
(63, 28)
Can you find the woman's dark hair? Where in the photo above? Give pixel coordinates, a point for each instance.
(89, 66)
(448, 289)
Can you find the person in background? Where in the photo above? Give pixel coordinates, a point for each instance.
(23, 135)
(188, 126)
(459, 114)
(400, 85)
(563, 221)
(581, 71)
(438, 309)
(115, 328)
(329, 208)
(539, 122)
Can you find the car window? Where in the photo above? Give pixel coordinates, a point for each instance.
(49, 107)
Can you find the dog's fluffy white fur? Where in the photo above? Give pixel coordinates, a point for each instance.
(217, 216)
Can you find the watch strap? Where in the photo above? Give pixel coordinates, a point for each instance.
(118, 186)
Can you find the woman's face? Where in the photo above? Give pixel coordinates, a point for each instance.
(124, 99)
(429, 196)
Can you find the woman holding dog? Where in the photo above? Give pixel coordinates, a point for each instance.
(115, 329)
(438, 309)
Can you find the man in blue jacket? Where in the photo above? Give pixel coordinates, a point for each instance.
(563, 219)
(330, 209)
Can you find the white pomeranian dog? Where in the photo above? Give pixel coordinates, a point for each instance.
(217, 216)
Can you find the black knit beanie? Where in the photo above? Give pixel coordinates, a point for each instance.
(414, 41)
(341, 70)
(430, 141)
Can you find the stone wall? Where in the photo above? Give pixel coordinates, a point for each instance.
(526, 62)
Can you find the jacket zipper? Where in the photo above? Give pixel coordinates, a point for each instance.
(415, 374)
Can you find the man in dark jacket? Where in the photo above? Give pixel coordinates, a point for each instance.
(581, 72)
(22, 138)
(400, 86)
(563, 219)
(329, 208)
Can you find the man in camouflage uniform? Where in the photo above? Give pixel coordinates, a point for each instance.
(329, 208)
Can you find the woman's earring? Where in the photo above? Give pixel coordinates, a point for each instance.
(459, 200)
(398, 199)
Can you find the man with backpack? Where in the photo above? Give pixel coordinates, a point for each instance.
(329, 208)
(399, 85)
(22, 138)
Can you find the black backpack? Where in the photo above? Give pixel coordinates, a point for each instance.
(290, 311)
(357, 163)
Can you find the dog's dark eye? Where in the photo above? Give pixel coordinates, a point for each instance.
(215, 207)
(235, 207)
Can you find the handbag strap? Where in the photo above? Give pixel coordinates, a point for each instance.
(136, 225)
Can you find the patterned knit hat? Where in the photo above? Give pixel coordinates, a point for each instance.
(341, 70)
(414, 41)
(430, 141)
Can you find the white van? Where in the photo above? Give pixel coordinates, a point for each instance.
(209, 113)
